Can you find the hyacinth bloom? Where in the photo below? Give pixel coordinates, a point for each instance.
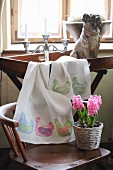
(77, 103)
(93, 105)
(87, 114)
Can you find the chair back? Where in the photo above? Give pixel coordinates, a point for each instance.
(9, 126)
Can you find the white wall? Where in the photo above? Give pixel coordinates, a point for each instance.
(105, 89)
(6, 25)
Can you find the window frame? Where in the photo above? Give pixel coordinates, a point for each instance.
(66, 5)
(109, 4)
(14, 23)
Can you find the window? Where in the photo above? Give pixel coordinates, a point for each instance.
(101, 7)
(33, 12)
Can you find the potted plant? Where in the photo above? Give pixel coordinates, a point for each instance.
(87, 130)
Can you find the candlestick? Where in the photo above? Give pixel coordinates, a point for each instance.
(26, 46)
(26, 33)
(46, 48)
(64, 31)
(45, 26)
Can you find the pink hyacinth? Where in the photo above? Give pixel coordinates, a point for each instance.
(77, 103)
(93, 105)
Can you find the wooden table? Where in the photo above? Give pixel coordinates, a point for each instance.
(15, 66)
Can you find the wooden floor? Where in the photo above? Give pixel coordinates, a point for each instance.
(6, 165)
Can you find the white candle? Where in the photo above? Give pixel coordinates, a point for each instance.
(64, 31)
(26, 33)
(45, 26)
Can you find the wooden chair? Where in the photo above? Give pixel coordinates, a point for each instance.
(50, 157)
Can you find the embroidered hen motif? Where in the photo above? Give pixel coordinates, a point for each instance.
(43, 130)
(78, 88)
(24, 125)
(62, 89)
(65, 129)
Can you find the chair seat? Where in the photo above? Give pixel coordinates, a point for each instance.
(59, 156)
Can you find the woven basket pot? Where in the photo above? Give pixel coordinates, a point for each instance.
(88, 138)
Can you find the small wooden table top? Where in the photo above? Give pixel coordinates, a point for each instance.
(15, 66)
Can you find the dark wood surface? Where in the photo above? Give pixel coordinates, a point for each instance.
(19, 63)
(61, 156)
(51, 156)
(15, 66)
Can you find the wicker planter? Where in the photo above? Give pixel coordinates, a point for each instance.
(88, 138)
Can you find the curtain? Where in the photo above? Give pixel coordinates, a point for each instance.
(1, 11)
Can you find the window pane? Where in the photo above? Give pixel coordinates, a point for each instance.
(88, 6)
(100, 7)
(34, 13)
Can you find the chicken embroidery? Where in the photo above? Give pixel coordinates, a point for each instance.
(24, 125)
(43, 130)
(78, 88)
(65, 129)
(62, 89)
